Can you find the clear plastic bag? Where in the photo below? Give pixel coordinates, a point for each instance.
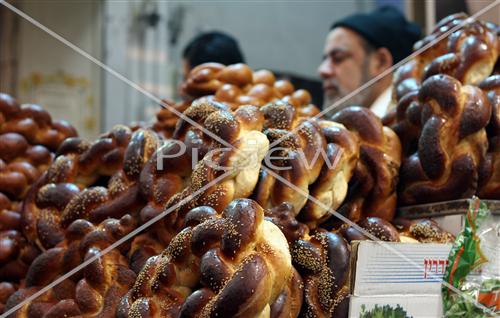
(474, 267)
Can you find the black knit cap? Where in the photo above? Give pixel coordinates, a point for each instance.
(385, 27)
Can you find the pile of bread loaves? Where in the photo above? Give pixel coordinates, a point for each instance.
(234, 85)
(28, 141)
(232, 215)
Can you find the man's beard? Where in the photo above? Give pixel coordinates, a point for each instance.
(335, 101)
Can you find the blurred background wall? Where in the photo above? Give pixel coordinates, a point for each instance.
(283, 36)
(143, 40)
(40, 69)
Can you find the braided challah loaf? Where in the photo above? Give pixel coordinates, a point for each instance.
(33, 123)
(489, 172)
(229, 169)
(91, 181)
(16, 252)
(20, 164)
(381, 229)
(372, 189)
(239, 149)
(167, 173)
(233, 265)
(423, 231)
(235, 85)
(204, 79)
(342, 155)
(96, 290)
(471, 52)
(238, 85)
(296, 157)
(166, 119)
(399, 230)
(408, 77)
(441, 119)
(241, 130)
(27, 138)
(452, 144)
(468, 54)
(308, 149)
(323, 261)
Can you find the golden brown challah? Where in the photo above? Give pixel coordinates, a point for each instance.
(16, 252)
(323, 261)
(239, 137)
(231, 265)
(241, 130)
(452, 144)
(441, 123)
(234, 85)
(408, 77)
(167, 173)
(170, 168)
(320, 158)
(33, 123)
(164, 174)
(228, 169)
(21, 164)
(96, 290)
(372, 189)
(399, 230)
(379, 228)
(489, 172)
(238, 85)
(469, 54)
(423, 231)
(166, 119)
(91, 181)
(27, 138)
(342, 155)
(204, 79)
(296, 157)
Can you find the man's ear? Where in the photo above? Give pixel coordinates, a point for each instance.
(383, 59)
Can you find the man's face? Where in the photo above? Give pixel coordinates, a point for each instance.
(345, 67)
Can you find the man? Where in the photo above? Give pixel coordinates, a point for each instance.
(211, 47)
(207, 47)
(359, 48)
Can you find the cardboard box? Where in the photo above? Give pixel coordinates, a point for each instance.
(404, 306)
(397, 274)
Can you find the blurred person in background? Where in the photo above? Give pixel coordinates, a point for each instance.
(207, 47)
(359, 48)
(213, 46)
